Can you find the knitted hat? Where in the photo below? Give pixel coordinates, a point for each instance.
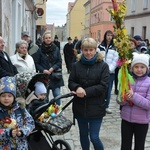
(69, 38)
(56, 37)
(140, 58)
(40, 88)
(138, 38)
(8, 85)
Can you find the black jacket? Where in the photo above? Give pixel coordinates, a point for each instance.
(6, 67)
(57, 43)
(42, 63)
(68, 51)
(94, 79)
(36, 103)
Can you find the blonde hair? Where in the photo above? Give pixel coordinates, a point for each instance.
(46, 32)
(88, 43)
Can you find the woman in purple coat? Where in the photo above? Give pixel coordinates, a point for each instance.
(135, 112)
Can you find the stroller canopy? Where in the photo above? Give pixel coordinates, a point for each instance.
(25, 82)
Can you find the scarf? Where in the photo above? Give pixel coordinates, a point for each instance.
(48, 49)
(22, 55)
(89, 61)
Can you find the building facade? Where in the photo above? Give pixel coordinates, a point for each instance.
(76, 20)
(17, 16)
(87, 19)
(41, 21)
(51, 27)
(101, 20)
(137, 19)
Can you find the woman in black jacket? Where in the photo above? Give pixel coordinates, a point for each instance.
(89, 80)
(48, 60)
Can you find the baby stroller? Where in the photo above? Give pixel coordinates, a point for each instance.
(41, 138)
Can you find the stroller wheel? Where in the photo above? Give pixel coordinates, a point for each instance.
(61, 145)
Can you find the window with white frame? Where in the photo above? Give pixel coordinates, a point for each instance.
(145, 4)
(133, 4)
(87, 23)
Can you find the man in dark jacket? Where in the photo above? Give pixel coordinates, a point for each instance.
(69, 55)
(56, 42)
(75, 40)
(6, 66)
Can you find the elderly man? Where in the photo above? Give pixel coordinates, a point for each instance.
(56, 42)
(69, 55)
(6, 66)
(32, 48)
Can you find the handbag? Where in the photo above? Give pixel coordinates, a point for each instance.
(56, 74)
(57, 125)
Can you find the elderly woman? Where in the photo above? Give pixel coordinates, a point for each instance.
(23, 61)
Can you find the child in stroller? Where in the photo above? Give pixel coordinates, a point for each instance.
(37, 107)
(36, 98)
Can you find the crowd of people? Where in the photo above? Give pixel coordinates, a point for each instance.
(93, 70)
(27, 58)
(135, 117)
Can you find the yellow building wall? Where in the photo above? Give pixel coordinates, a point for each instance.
(77, 19)
(42, 19)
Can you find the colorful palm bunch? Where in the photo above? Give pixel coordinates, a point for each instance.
(122, 40)
(118, 12)
(122, 44)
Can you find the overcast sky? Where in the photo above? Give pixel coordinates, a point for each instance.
(56, 11)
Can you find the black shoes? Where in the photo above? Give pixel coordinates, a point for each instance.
(116, 92)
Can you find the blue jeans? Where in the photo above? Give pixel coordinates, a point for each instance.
(90, 127)
(55, 93)
(112, 76)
